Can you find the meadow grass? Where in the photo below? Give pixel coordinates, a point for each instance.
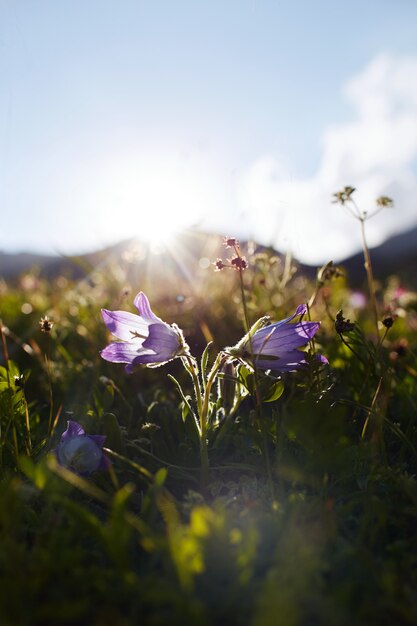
(287, 500)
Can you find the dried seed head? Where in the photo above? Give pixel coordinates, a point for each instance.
(343, 196)
(219, 265)
(231, 242)
(385, 201)
(19, 381)
(343, 325)
(45, 324)
(327, 272)
(239, 263)
(388, 321)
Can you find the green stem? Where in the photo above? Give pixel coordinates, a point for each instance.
(204, 415)
(192, 369)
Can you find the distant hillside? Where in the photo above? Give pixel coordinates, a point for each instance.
(397, 255)
(76, 266)
(168, 265)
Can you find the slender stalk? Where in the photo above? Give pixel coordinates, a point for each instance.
(347, 344)
(48, 371)
(370, 275)
(260, 421)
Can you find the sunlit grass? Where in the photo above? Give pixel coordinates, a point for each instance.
(307, 510)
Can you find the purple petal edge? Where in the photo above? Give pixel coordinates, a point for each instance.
(141, 302)
(74, 429)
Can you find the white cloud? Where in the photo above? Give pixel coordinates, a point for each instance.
(376, 152)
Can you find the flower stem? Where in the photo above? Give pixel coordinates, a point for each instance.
(257, 392)
(192, 368)
(370, 275)
(204, 415)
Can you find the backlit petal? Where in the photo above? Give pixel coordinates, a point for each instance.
(163, 340)
(124, 325)
(141, 302)
(123, 352)
(74, 429)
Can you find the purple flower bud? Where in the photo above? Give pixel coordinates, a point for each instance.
(79, 452)
(145, 338)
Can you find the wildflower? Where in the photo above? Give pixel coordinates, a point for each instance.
(231, 242)
(145, 338)
(274, 347)
(80, 452)
(45, 324)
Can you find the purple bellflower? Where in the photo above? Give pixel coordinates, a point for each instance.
(79, 452)
(145, 338)
(275, 347)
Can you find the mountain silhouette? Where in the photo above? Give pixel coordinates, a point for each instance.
(397, 255)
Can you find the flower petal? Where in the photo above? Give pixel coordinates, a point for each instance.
(301, 310)
(163, 340)
(80, 453)
(275, 339)
(141, 302)
(74, 429)
(123, 352)
(98, 439)
(288, 362)
(124, 325)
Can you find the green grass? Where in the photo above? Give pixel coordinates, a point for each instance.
(327, 536)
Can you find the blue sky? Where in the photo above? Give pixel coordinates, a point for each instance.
(126, 118)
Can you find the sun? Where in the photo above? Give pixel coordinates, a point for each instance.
(152, 200)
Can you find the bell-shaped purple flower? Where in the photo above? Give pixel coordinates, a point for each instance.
(144, 339)
(79, 452)
(276, 347)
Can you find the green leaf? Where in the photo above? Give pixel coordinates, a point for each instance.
(246, 378)
(185, 410)
(161, 476)
(275, 391)
(114, 435)
(107, 397)
(204, 359)
(183, 396)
